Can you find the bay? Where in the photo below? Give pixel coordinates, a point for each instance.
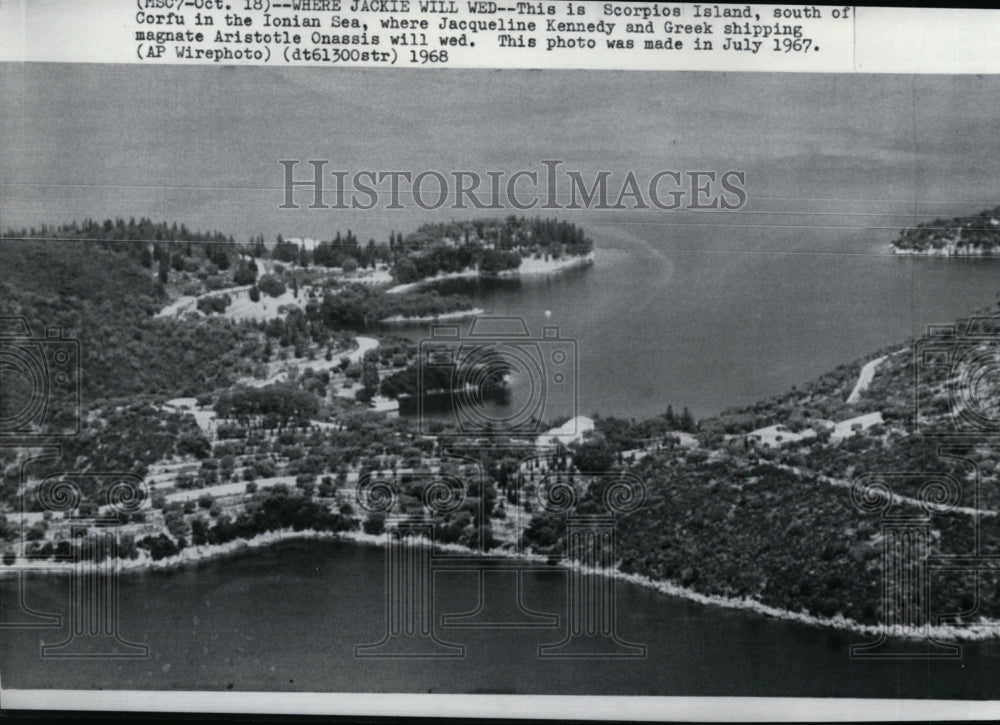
(287, 618)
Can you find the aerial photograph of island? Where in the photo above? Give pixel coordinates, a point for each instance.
(499, 382)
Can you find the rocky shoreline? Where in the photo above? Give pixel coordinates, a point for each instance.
(194, 554)
(951, 250)
(456, 315)
(529, 266)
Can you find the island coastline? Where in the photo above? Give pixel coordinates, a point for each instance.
(193, 555)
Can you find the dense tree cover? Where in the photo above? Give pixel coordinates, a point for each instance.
(723, 519)
(759, 531)
(214, 304)
(161, 546)
(362, 307)
(180, 259)
(979, 232)
(118, 438)
(99, 295)
(271, 285)
(343, 250)
(492, 246)
(272, 510)
(287, 252)
(427, 263)
(278, 508)
(245, 273)
(736, 528)
(779, 524)
(407, 382)
(301, 331)
(594, 455)
(902, 390)
(369, 377)
(137, 238)
(546, 235)
(279, 405)
(624, 435)
(488, 373)
(347, 253)
(395, 352)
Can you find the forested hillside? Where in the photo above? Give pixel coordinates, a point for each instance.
(101, 294)
(977, 234)
(781, 523)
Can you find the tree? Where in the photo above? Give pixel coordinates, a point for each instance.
(594, 456)
(271, 285)
(176, 524)
(216, 304)
(245, 273)
(369, 375)
(374, 524)
(258, 250)
(199, 531)
(285, 251)
(163, 272)
(406, 271)
(194, 444)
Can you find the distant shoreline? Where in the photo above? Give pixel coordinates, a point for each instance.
(529, 266)
(456, 315)
(946, 251)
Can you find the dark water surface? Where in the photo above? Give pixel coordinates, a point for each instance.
(697, 309)
(289, 617)
(715, 324)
